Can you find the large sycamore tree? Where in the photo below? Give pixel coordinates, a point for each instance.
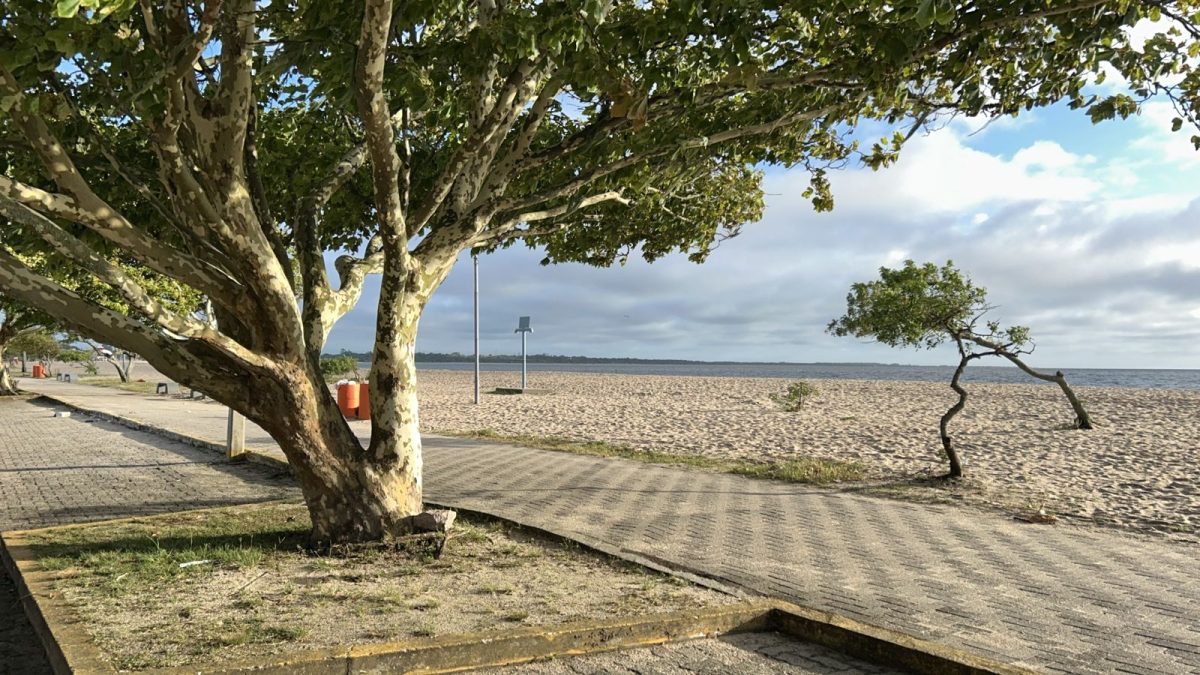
(228, 145)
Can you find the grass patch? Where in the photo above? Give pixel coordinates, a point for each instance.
(116, 383)
(208, 587)
(811, 470)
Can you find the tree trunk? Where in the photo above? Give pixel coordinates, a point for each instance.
(956, 470)
(1082, 419)
(121, 368)
(6, 384)
(352, 495)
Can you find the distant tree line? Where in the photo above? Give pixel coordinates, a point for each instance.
(457, 357)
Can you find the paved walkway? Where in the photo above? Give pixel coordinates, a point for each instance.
(1057, 598)
(56, 470)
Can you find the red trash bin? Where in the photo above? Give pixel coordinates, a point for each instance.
(39, 371)
(347, 399)
(364, 401)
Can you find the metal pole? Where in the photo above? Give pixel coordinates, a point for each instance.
(476, 265)
(523, 376)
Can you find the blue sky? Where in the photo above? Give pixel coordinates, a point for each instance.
(1089, 234)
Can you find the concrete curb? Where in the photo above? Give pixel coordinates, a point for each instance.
(71, 649)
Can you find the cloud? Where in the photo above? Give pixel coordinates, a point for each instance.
(1104, 278)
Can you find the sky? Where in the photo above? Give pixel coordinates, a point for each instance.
(1088, 234)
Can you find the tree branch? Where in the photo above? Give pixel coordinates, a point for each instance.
(75, 250)
(505, 231)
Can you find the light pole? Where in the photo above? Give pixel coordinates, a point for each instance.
(475, 260)
(524, 329)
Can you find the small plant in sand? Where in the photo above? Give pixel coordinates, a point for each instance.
(792, 400)
(924, 306)
(335, 367)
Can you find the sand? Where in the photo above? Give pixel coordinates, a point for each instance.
(1137, 469)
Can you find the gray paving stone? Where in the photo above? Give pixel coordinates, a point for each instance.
(66, 470)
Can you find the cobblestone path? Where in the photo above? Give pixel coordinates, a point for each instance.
(68, 470)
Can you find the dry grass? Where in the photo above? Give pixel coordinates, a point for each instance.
(141, 387)
(254, 590)
(811, 470)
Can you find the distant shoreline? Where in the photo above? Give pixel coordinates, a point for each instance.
(995, 374)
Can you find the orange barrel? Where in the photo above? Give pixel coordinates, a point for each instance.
(364, 401)
(347, 397)
(39, 371)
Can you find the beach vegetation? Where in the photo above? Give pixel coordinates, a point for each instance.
(811, 470)
(792, 399)
(924, 306)
(336, 367)
(227, 148)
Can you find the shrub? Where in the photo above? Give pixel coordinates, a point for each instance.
(793, 399)
(72, 355)
(337, 366)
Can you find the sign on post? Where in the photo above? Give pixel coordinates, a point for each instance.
(524, 329)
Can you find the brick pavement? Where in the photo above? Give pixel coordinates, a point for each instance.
(1057, 598)
(65, 470)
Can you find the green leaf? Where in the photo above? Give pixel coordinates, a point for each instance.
(925, 13)
(66, 9)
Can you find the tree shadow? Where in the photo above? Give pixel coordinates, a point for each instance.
(175, 453)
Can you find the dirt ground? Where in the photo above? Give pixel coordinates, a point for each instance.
(230, 584)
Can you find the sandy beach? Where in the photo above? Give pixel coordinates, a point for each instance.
(1137, 469)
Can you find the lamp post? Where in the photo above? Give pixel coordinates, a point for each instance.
(475, 260)
(524, 329)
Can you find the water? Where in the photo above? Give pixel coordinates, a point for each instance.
(1084, 377)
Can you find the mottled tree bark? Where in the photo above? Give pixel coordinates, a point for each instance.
(6, 383)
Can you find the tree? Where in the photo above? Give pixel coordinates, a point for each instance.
(16, 321)
(39, 344)
(924, 306)
(228, 145)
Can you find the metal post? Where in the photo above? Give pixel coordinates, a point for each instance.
(523, 328)
(475, 259)
(235, 435)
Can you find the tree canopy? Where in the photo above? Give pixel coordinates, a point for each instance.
(222, 147)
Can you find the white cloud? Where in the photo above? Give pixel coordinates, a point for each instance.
(940, 173)
(1159, 144)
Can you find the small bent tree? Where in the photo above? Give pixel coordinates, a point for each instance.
(923, 307)
(231, 145)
